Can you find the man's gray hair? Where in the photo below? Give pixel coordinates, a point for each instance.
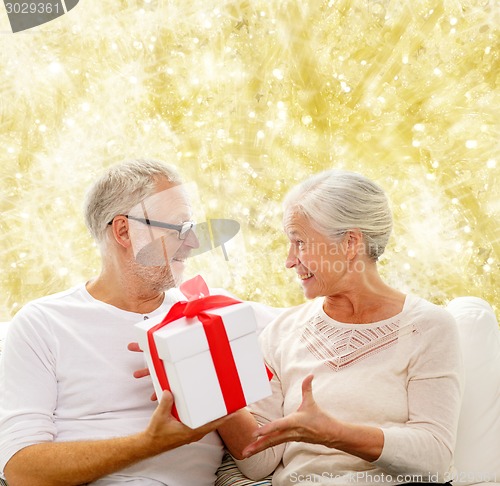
(120, 188)
(336, 201)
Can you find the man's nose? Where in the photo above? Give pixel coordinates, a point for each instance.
(191, 240)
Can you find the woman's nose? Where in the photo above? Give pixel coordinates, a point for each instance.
(291, 259)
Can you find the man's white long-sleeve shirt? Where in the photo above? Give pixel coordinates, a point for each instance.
(66, 375)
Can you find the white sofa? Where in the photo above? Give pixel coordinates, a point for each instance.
(477, 455)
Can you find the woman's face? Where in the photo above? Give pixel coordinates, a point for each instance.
(320, 262)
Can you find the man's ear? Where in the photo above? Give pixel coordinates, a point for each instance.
(121, 232)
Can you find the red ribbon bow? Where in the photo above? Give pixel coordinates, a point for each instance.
(218, 341)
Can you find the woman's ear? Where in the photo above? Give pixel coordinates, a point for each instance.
(355, 243)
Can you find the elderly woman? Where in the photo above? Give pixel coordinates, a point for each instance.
(384, 403)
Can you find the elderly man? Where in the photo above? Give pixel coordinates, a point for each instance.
(71, 412)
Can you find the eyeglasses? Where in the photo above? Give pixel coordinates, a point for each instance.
(183, 229)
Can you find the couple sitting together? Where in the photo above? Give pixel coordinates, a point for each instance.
(367, 379)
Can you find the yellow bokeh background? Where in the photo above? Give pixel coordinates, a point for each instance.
(247, 98)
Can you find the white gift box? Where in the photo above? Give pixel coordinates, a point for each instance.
(183, 347)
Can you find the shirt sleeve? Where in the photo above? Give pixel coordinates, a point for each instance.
(424, 445)
(264, 463)
(264, 314)
(28, 383)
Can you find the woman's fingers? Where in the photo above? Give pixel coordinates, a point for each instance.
(273, 427)
(264, 442)
(294, 427)
(307, 392)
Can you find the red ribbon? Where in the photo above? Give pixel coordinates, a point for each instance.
(218, 342)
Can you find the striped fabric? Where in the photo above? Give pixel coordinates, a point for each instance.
(228, 474)
(2, 482)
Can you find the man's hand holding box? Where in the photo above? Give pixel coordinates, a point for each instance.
(206, 352)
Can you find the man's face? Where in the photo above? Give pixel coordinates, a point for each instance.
(160, 230)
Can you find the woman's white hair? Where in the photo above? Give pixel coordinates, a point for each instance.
(337, 201)
(120, 188)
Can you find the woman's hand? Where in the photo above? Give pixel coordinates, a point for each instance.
(311, 424)
(308, 424)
